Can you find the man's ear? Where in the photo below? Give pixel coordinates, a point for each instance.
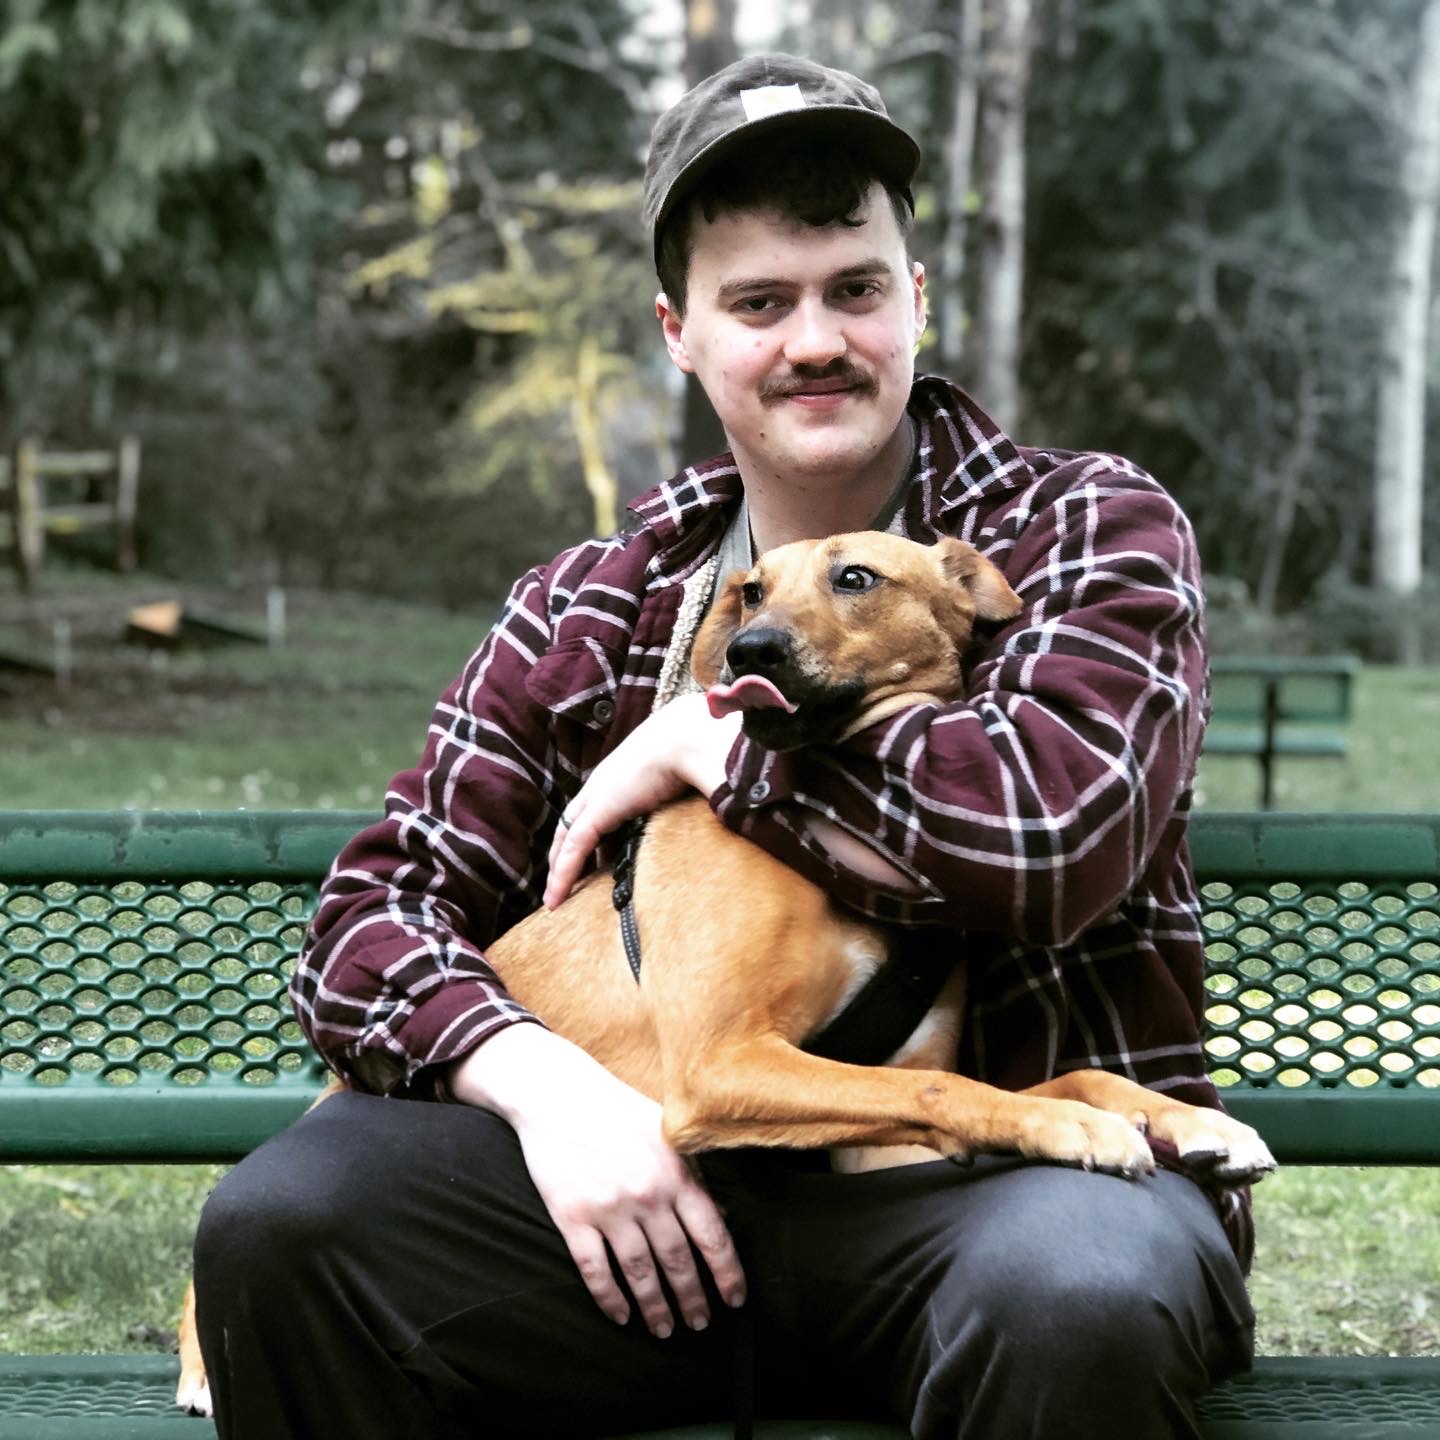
(989, 589)
(707, 657)
(672, 326)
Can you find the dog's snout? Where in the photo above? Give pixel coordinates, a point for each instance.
(758, 651)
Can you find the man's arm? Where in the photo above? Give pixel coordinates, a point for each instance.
(393, 980)
(394, 989)
(613, 1186)
(1031, 807)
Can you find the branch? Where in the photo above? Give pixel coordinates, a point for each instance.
(522, 36)
(1344, 78)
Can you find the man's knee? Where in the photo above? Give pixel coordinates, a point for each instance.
(262, 1220)
(1097, 1263)
(282, 1210)
(1102, 1289)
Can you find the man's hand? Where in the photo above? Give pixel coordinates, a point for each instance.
(679, 747)
(594, 1149)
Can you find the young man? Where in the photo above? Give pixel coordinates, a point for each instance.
(534, 1260)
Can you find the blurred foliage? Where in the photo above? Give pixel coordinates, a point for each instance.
(1210, 190)
(1208, 221)
(160, 173)
(368, 276)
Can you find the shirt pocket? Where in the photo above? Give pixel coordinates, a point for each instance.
(578, 680)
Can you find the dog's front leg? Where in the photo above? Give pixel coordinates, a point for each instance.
(763, 1091)
(1208, 1140)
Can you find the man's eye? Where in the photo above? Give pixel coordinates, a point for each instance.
(751, 594)
(757, 304)
(854, 578)
(860, 289)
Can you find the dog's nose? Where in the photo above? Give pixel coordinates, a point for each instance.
(758, 652)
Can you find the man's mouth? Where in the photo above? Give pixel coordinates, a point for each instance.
(821, 393)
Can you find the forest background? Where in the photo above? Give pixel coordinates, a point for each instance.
(368, 280)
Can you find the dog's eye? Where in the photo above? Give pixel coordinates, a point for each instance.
(751, 594)
(855, 578)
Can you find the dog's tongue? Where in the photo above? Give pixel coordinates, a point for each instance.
(749, 692)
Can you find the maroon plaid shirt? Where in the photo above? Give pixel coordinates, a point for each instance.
(1043, 816)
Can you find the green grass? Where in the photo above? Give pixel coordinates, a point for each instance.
(1348, 1262)
(96, 1256)
(324, 721)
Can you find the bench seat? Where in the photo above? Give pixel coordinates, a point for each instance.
(129, 1397)
(143, 960)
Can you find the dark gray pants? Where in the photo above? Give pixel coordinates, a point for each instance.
(386, 1269)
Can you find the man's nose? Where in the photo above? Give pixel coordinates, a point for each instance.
(815, 336)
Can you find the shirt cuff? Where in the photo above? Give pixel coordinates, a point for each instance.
(450, 1023)
(755, 778)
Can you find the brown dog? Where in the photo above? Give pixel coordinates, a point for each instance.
(817, 641)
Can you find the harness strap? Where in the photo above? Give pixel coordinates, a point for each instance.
(879, 1018)
(622, 897)
(886, 1011)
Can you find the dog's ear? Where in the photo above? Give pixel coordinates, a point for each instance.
(707, 657)
(991, 592)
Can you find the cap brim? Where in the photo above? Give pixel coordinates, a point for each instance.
(895, 155)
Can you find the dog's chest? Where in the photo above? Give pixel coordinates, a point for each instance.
(856, 957)
(883, 1010)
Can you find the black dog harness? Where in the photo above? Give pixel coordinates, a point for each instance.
(881, 1016)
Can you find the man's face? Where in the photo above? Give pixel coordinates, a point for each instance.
(803, 337)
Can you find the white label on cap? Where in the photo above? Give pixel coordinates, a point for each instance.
(771, 100)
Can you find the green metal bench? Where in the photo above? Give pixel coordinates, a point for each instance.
(143, 961)
(1289, 706)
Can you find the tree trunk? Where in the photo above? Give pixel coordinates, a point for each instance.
(709, 38)
(959, 181)
(1400, 447)
(585, 420)
(1290, 477)
(1002, 223)
(709, 46)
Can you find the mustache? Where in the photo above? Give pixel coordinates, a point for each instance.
(802, 375)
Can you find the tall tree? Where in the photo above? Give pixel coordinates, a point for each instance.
(1001, 258)
(158, 169)
(949, 299)
(1202, 266)
(710, 45)
(1405, 329)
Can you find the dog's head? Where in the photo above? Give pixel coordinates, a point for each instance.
(823, 637)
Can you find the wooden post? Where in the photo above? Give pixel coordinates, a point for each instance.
(28, 513)
(275, 616)
(63, 636)
(127, 487)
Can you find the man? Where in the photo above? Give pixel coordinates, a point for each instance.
(534, 1260)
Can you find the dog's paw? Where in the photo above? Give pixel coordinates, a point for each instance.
(1077, 1134)
(1216, 1146)
(193, 1396)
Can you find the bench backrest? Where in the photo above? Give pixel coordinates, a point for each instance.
(144, 957)
(1304, 689)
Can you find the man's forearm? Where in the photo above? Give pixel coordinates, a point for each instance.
(515, 1071)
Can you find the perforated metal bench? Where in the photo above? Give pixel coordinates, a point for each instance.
(143, 961)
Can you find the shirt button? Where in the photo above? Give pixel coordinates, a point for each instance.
(759, 792)
(604, 711)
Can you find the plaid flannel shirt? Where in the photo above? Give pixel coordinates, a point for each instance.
(1042, 817)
